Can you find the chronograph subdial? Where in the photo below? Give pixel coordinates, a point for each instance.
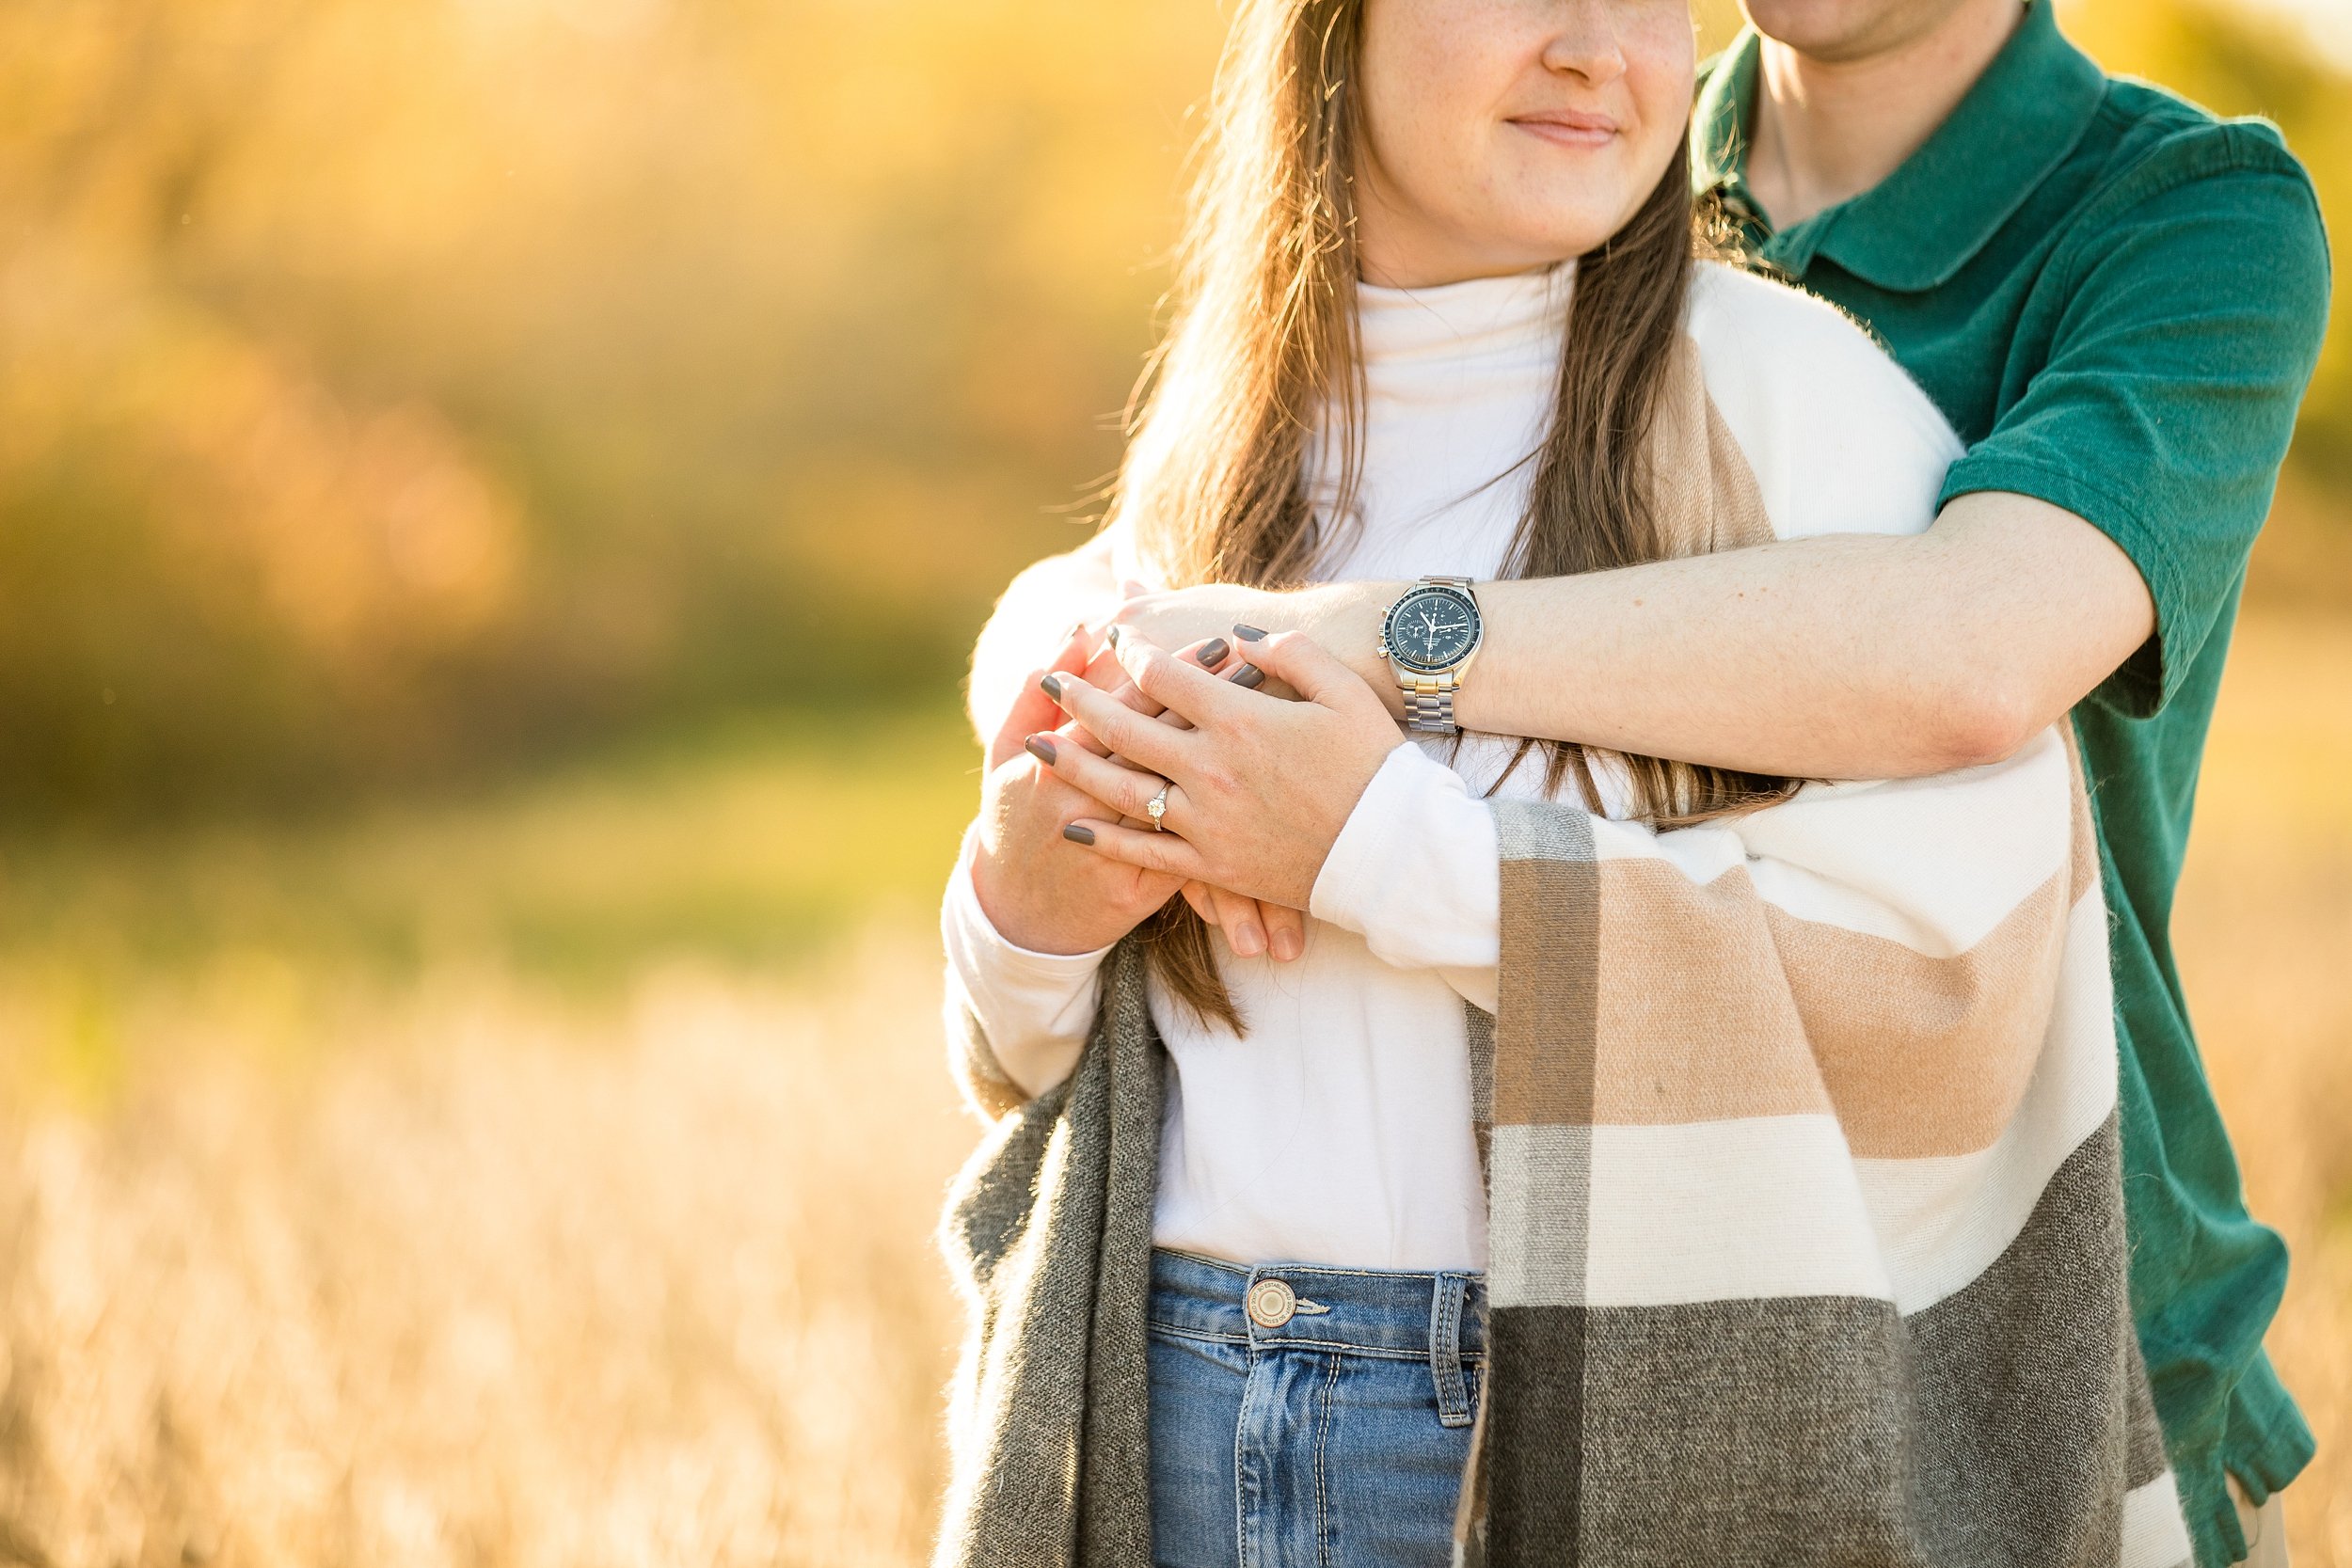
(1433, 628)
(1429, 636)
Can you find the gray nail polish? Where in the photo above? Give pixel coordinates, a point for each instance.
(1249, 634)
(1040, 748)
(1213, 653)
(1249, 676)
(1111, 636)
(1050, 685)
(1078, 833)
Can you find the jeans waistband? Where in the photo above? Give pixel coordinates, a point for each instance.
(1377, 1311)
(1437, 1318)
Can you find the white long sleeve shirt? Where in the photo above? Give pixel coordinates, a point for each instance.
(1338, 1131)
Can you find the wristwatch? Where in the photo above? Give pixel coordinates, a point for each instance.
(1429, 636)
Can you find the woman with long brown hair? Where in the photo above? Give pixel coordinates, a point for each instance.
(1445, 319)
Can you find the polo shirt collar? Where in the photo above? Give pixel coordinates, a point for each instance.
(1916, 228)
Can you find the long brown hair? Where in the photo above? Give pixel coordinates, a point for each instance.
(1264, 354)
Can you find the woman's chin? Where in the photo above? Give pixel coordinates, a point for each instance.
(1561, 214)
(1543, 240)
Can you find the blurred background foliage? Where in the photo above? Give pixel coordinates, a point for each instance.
(395, 392)
(396, 395)
(495, 496)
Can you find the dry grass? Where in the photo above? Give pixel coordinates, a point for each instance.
(2265, 937)
(492, 1282)
(475, 1269)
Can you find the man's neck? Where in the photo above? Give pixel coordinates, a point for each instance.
(1827, 129)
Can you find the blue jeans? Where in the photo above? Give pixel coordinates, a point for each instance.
(1306, 1418)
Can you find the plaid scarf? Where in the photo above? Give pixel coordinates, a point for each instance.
(1805, 1219)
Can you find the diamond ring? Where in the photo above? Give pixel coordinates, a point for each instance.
(1157, 807)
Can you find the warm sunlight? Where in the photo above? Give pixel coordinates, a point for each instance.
(496, 501)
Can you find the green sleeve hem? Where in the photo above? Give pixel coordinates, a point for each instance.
(2143, 683)
(2215, 1537)
(2268, 1442)
(2264, 1444)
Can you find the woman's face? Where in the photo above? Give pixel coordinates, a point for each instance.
(1505, 135)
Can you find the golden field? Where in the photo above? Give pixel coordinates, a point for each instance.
(344, 1219)
(497, 1282)
(322, 1247)
(494, 498)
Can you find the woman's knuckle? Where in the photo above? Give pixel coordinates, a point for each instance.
(1115, 727)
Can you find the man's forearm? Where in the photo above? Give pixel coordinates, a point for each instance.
(1842, 657)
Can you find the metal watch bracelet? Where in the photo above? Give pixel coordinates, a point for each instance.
(1429, 712)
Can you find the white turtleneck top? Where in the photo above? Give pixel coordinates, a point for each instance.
(1338, 1131)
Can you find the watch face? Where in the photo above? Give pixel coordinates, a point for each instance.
(1431, 628)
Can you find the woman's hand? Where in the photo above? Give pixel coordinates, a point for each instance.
(1178, 617)
(1251, 927)
(1343, 618)
(1038, 890)
(1070, 905)
(1260, 787)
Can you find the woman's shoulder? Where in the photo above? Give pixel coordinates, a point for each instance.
(1840, 437)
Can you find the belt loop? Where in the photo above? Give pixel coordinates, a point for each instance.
(1445, 1350)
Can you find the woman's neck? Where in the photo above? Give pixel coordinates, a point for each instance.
(1458, 323)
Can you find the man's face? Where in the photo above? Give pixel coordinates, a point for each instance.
(1835, 31)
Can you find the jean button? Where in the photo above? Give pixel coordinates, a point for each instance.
(1270, 1303)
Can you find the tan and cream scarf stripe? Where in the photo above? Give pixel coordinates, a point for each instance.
(1805, 1219)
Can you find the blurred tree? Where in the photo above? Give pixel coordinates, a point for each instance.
(392, 390)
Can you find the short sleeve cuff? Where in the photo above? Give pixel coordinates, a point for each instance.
(2267, 1443)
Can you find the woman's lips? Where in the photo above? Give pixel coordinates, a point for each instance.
(1568, 128)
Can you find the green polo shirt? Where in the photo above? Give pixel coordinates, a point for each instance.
(2117, 300)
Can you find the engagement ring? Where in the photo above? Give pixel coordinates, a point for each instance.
(1157, 807)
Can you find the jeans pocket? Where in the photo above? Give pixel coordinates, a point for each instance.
(1196, 1390)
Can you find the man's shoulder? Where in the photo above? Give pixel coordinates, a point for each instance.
(2151, 140)
(2197, 192)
